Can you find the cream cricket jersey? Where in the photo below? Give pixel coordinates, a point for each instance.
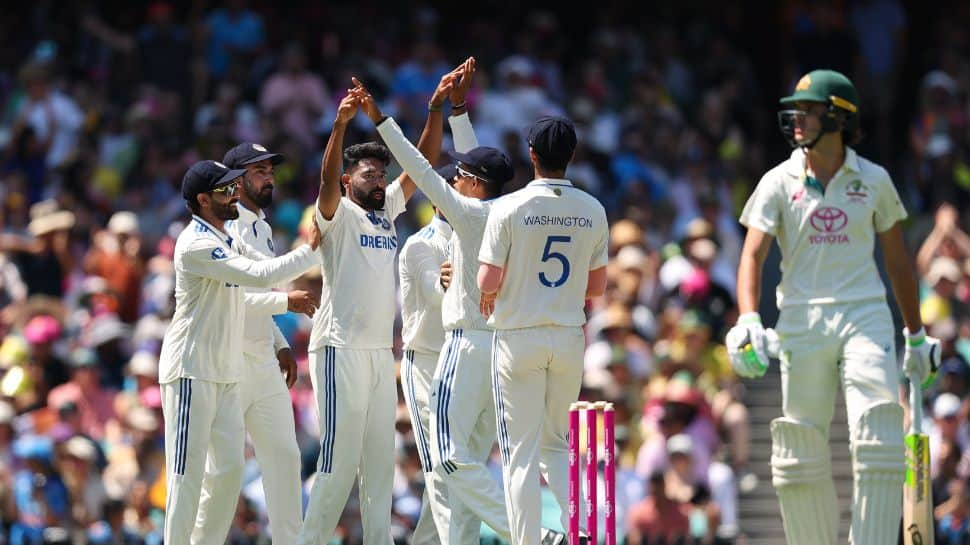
(357, 303)
(826, 238)
(204, 339)
(419, 266)
(467, 216)
(547, 236)
(261, 338)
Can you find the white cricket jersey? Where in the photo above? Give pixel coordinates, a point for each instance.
(467, 216)
(826, 239)
(547, 236)
(419, 267)
(262, 339)
(204, 340)
(358, 300)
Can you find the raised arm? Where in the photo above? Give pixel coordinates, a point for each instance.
(461, 125)
(451, 203)
(332, 166)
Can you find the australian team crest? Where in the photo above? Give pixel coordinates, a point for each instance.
(857, 191)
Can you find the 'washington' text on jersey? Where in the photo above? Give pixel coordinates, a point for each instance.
(558, 221)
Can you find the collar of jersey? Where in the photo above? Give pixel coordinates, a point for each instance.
(562, 182)
(211, 228)
(441, 225)
(796, 167)
(796, 163)
(250, 215)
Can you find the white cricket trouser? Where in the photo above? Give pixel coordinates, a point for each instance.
(202, 419)
(417, 375)
(463, 432)
(852, 344)
(824, 347)
(356, 395)
(537, 374)
(268, 416)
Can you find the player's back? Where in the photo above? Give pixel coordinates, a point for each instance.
(555, 234)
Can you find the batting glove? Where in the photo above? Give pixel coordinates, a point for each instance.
(921, 358)
(747, 345)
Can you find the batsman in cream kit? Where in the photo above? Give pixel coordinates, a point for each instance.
(827, 206)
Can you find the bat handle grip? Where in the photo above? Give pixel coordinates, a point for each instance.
(915, 406)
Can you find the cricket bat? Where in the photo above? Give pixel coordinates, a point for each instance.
(918, 522)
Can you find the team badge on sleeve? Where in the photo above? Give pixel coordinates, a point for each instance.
(218, 253)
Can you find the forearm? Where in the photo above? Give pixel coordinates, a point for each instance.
(901, 276)
(904, 287)
(330, 172)
(490, 278)
(430, 147)
(279, 340)
(266, 303)
(749, 284)
(596, 283)
(419, 169)
(462, 132)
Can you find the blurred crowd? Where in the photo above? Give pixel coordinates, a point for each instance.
(103, 108)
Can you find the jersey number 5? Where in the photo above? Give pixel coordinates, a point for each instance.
(547, 255)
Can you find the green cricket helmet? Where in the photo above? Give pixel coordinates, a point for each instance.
(827, 87)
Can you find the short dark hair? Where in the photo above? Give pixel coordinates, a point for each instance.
(552, 165)
(193, 205)
(368, 150)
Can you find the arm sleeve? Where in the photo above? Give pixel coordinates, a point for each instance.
(419, 262)
(208, 259)
(763, 211)
(266, 303)
(394, 201)
(325, 224)
(889, 210)
(456, 208)
(279, 340)
(600, 255)
(462, 132)
(497, 240)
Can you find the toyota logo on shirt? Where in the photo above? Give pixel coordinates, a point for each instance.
(829, 222)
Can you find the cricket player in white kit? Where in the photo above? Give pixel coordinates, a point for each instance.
(201, 361)
(264, 395)
(544, 253)
(423, 283)
(462, 420)
(352, 367)
(827, 206)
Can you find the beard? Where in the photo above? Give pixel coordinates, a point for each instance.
(369, 200)
(261, 198)
(225, 211)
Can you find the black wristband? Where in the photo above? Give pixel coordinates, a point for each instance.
(433, 108)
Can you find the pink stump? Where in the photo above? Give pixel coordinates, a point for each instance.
(609, 476)
(574, 473)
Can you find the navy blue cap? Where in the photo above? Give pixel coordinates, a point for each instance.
(485, 162)
(448, 172)
(248, 153)
(553, 138)
(205, 176)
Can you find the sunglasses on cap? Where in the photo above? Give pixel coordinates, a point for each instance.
(229, 189)
(464, 173)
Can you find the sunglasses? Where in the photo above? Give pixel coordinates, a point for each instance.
(229, 190)
(464, 173)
